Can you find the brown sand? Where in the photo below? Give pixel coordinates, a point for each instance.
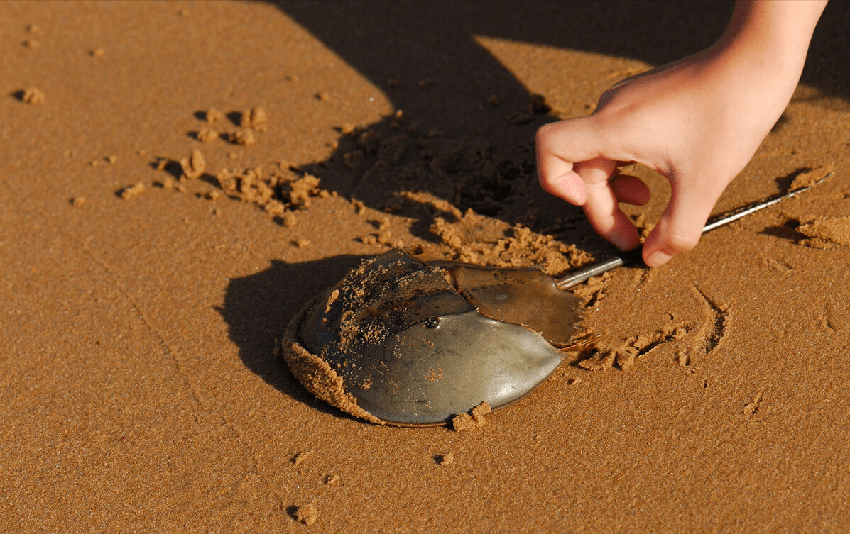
(828, 230)
(472, 420)
(141, 389)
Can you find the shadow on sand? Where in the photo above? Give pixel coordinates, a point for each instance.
(444, 78)
(258, 307)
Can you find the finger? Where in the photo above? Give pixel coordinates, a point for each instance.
(559, 146)
(563, 183)
(630, 189)
(680, 227)
(602, 207)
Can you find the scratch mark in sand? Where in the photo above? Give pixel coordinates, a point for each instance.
(753, 406)
(710, 335)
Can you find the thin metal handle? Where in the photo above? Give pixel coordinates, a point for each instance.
(635, 256)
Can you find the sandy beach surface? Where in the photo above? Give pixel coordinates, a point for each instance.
(178, 179)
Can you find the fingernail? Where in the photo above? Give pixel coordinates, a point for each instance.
(622, 241)
(657, 258)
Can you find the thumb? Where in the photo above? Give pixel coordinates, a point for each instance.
(559, 146)
(680, 227)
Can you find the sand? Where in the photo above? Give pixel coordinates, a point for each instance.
(141, 307)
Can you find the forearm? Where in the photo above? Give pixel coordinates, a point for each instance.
(774, 33)
(755, 66)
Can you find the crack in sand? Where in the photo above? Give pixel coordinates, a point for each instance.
(710, 335)
(159, 339)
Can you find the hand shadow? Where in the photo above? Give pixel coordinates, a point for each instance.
(456, 142)
(427, 59)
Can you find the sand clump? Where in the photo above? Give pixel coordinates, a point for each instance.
(193, 166)
(301, 457)
(445, 459)
(593, 290)
(518, 246)
(301, 189)
(278, 191)
(132, 190)
(254, 118)
(753, 406)
(811, 177)
(307, 514)
(213, 115)
(32, 95)
(382, 236)
(825, 232)
(472, 420)
(169, 183)
(242, 137)
(206, 135)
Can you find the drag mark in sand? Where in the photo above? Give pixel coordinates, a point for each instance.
(752, 407)
(625, 355)
(781, 267)
(827, 321)
(710, 335)
(159, 338)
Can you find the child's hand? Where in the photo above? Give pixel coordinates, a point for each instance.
(697, 122)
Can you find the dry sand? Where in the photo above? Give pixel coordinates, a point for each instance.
(178, 179)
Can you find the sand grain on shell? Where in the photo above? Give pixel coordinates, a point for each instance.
(315, 374)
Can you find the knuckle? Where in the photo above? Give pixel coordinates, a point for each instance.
(544, 133)
(676, 243)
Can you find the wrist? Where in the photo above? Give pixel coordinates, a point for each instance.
(758, 61)
(772, 35)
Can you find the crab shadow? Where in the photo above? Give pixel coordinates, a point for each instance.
(258, 307)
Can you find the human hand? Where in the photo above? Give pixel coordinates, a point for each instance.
(697, 121)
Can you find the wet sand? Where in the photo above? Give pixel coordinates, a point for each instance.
(144, 287)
